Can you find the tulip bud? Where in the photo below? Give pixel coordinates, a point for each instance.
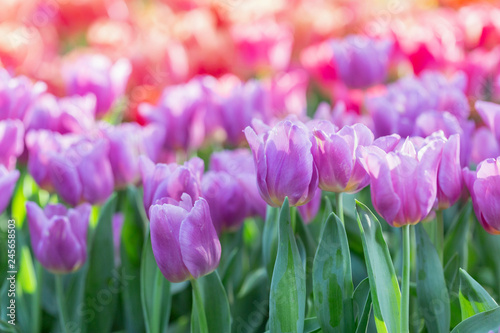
(404, 182)
(96, 74)
(284, 163)
(360, 61)
(59, 235)
(490, 113)
(484, 188)
(170, 180)
(239, 164)
(11, 142)
(226, 198)
(184, 240)
(8, 181)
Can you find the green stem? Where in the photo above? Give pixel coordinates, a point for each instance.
(340, 207)
(158, 293)
(405, 284)
(198, 301)
(60, 301)
(439, 234)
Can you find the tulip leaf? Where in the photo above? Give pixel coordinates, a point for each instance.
(215, 303)
(362, 305)
(102, 283)
(452, 282)
(270, 239)
(481, 322)
(288, 285)
(131, 243)
(456, 237)
(332, 279)
(155, 292)
(386, 296)
(432, 294)
(311, 325)
(473, 298)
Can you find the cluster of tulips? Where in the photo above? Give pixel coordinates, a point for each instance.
(217, 166)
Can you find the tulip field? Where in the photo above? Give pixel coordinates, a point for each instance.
(249, 166)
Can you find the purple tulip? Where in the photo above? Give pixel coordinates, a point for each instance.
(127, 141)
(490, 113)
(96, 74)
(17, 94)
(182, 111)
(239, 164)
(484, 188)
(360, 61)
(184, 240)
(11, 142)
(449, 180)
(77, 114)
(59, 235)
(226, 198)
(404, 182)
(484, 145)
(117, 225)
(82, 172)
(335, 156)
(284, 162)
(170, 180)
(8, 181)
(44, 113)
(309, 211)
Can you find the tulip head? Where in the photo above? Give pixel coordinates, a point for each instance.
(403, 182)
(8, 181)
(11, 142)
(484, 188)
(284, 163)
(184, 240)
(59, 235)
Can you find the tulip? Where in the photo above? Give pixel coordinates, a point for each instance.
(170, 180)
(284, 162)
(226, 199)
(127, 141)
(77, 114)
(96, 74)
(360, 61)
(11, 142)
(490, 113)
(44, 113)
(484, 145)
(59, 235)
(17, 94)
(239, 164)
(8, 181)
(335, 156)
(484, 188)
(309, 211)
(404, 182)
(184, 240)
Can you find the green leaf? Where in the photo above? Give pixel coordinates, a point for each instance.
(155, 291)
(482, 322)
(332, 279)
(362, 305)
(288, 285)
(131, 244)
(473, 298)
(102, 285)
(270, 239)
(215, 304)
(432, 294)
(452, 282)
(311, 325)
(456, 237)
(385, 292)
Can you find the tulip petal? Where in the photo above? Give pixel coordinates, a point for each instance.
(198, 240)
(64, 176)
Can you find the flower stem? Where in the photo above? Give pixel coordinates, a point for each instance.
(158, 293)
(198, 302)
(60, 301)
(439, 234)
(340, 207)
(405, 285)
